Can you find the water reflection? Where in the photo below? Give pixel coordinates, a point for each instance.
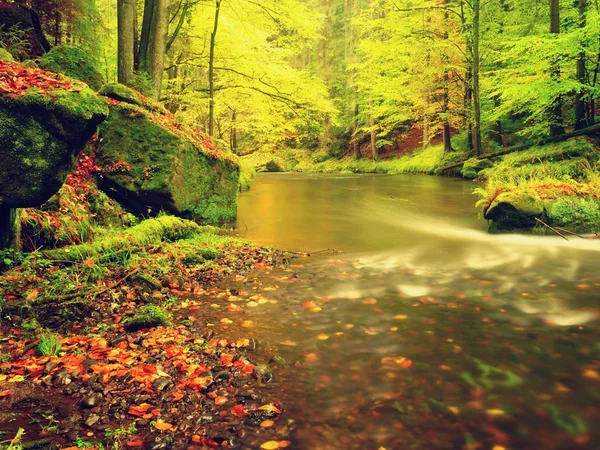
(426, 332)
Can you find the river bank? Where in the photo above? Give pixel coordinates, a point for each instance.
(556, 183)
(129, 342)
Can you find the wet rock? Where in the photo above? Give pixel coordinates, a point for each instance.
(63, 411)
(91, 401)
(92, 420)
(263, 373)
(62, 378)
(204, 419)
(50, 366)
(161, 383)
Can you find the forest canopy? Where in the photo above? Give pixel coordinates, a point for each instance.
(343, 75)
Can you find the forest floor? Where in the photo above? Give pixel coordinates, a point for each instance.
(129, 344)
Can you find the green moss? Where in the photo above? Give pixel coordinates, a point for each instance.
(420, 161)
(247, 174)
(73, 62)
(149, 232)
(149, 316)
(125, 94)
(472, 167)
(5, 55)
(167, 172)
(578, 214)
(515, 210)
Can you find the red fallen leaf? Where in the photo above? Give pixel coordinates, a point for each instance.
(139, 410)
(226, 359)
(136, 443)
(4, 393)
(239, 411)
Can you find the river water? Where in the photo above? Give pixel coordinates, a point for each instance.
(422, 331)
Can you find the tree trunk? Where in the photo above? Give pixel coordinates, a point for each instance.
(126, 24)
(159, 45)
(233, 139)
(10, 228)
(581, 120)
(211, 70)
(373, 134)
(476, 66)
(356, 142)
(447, 135)
(556, 119)
(468, 91)
(147, 26)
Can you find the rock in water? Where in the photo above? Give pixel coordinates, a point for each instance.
(515, 211)
(152, 163)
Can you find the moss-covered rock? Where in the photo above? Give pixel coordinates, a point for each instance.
(41, 135)
(5, 55)
(151, 163)
(122, 93)
(472, 167)
(516, 210)
(73, 62)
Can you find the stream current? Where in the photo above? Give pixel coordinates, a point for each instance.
(423, 331)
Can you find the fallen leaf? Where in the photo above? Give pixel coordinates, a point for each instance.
(136, 443)
(140, 410)
(267, 423)
(164, 426)
(270, 445)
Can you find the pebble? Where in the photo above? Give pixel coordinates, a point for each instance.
(91, 401)
(92, 420)
(161, 383)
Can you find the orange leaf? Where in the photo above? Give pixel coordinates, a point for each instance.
(267, 423)
(270, 408)
(163, 426)
(4, 393)
(239, 411)
(140, 410)
(32, 295)
(220, 400)
(136, 443)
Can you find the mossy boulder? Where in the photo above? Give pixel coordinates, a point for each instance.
(151, 163)
(515, 210)
(472, 167)
(74, 63)
(45, 121)
(5, 55)
(122, 93)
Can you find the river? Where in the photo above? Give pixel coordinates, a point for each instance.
(422, 331)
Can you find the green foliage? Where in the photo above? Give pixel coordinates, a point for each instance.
(576, 213)
(13, 43)
(49, 345)
(149, 316)
(247, 174)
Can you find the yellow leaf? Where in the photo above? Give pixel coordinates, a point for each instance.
(163, 426)
(270, 445)
(32, 295)
(495, 412)
(270, 408)
(401, 317)
(267, 423)
(322, 337)
(17, 379)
